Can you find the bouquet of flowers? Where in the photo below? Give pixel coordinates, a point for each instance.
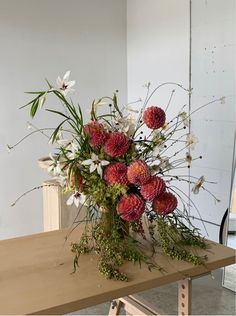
(120, 166)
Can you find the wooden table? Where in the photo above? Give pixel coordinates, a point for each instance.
(35, 275)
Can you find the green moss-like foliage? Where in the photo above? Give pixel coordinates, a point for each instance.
(179, 242)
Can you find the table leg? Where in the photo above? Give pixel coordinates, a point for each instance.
(184, 297)
(115, 307)
(133, 305)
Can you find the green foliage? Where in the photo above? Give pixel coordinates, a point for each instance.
(178, 241)
(101, 194)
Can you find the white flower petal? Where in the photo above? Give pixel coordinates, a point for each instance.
(104, 162)
(99, 170)
(82, 198)
(87, 162)
(59, 81)
(76, 201)
(94, 157)
(66, 76)
(93, 167)
(71, 84)
(70, 200)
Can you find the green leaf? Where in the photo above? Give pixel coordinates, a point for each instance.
(59, 113)
(49, 85)
(34, 108)
(54, 134)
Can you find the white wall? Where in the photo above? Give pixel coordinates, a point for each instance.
(158, 34)
(46, 38)
(213, 76)
(158, 51)
(157, 43)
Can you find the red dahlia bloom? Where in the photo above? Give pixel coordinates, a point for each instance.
(131, 207)
(153, 188)
(96, 132)
(165, 203)
(117, 144)
(138, 172)
(116, 173)
(154, 117)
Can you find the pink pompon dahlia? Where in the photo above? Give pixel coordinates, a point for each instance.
(117, 144)
(116, 173)
(154, 117)
(131, 207)
(153, 188)
(96, 133)
(165, 203)
(138, 172)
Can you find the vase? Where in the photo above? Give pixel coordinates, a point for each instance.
(109, 220)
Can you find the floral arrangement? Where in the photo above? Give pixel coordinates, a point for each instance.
(122, 165)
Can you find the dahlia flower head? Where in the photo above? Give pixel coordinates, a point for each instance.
(153, 188)
(116, 145)
(165, 203)
(154, 117)
(131, 207)
(138, 172)
(96, 133)
(116, 173)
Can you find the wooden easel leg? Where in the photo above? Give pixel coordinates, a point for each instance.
(133, 305)
(185, 297)
(115, 307)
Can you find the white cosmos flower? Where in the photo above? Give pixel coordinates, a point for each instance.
(191, 141)
(95, 164)
(64, 84)
(76, 198)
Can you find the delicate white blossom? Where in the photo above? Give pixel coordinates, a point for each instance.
(64, 84)
(184, 118)
(95, 164)
(76, 198)
(198, 185)
(188, 158)
(73, 150)
(126, 125)
(191, 141)
(222, 100)
(55, 167)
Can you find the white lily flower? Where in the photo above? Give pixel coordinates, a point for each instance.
(76, 198)
(95, 164)
(64, 84)
(191, 141)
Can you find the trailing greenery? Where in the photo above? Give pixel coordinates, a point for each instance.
(178, 241)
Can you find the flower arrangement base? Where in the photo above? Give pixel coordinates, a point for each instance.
(116, 242)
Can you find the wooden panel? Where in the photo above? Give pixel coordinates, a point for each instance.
(35, 275)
